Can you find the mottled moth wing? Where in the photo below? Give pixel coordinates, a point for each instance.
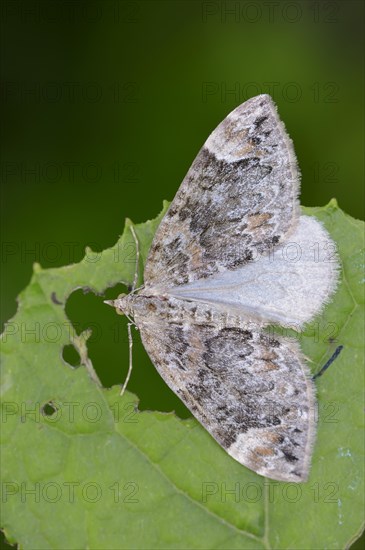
(246, 387)
(243, 186)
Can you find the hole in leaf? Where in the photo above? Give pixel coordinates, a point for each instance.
(108, 351)
(71, 356)
(49, 409)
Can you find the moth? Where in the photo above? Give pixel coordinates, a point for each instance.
(231, 257)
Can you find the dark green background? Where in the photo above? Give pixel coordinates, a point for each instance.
(106, 103)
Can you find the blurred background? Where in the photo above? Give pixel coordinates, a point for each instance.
(105, 104)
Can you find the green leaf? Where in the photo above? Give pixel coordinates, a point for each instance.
(91, 471)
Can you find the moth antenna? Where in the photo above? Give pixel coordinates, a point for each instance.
(137, 258)
(130, 340)
(136, 289)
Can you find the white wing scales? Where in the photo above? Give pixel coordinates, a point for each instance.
(288, 286)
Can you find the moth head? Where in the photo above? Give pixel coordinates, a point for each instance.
(121, 307)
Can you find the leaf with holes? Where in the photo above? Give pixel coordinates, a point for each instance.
(94, 472)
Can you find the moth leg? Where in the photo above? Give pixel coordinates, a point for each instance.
(130, 340)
